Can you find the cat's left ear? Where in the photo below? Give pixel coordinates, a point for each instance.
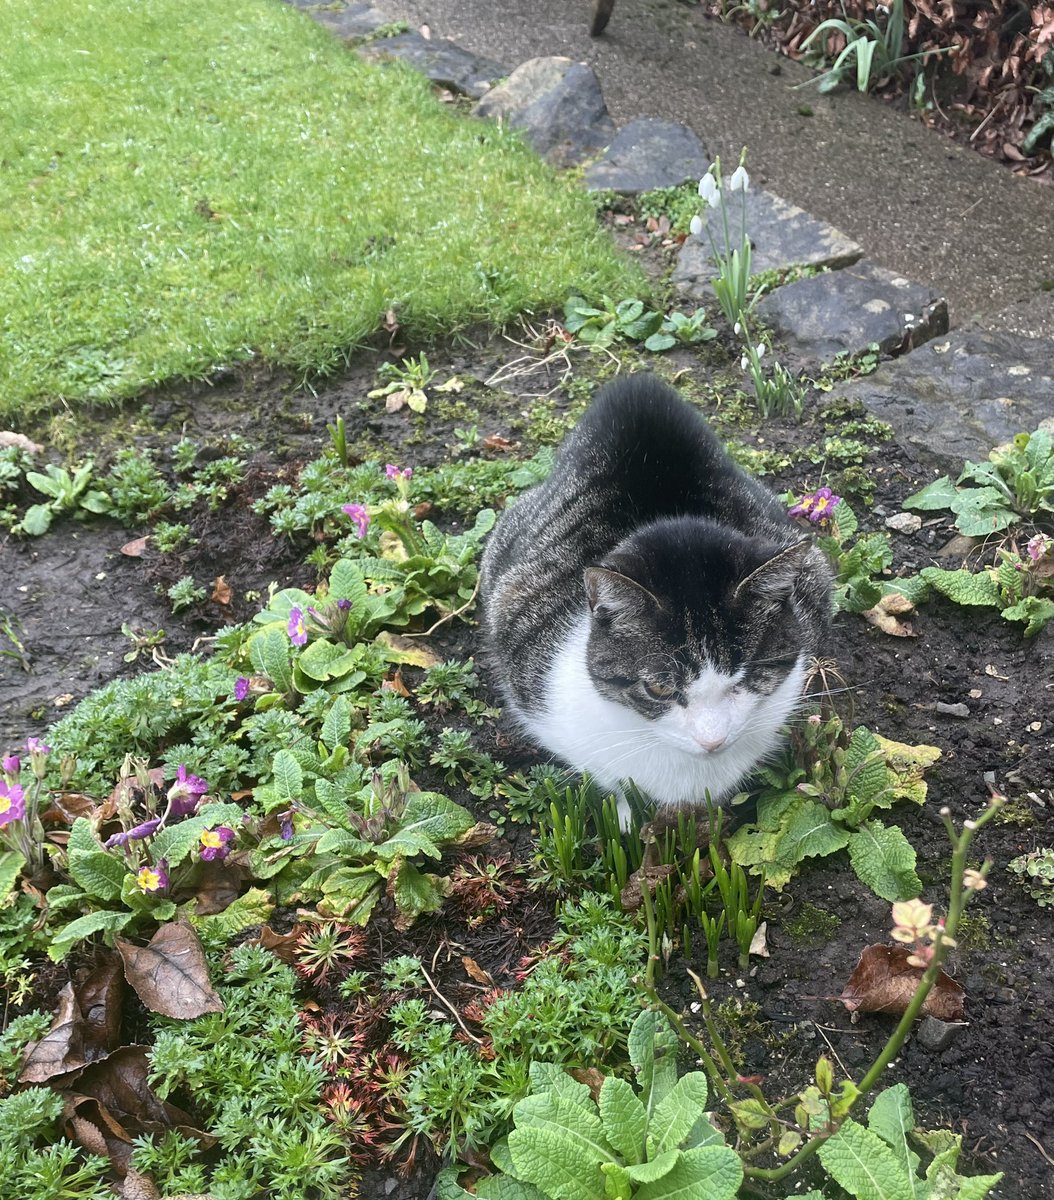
(777, 579)
(611, 594)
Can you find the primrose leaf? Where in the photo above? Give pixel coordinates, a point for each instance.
(322, 661)
(559, 1146)
(712, 1171)
(625, 1121)
(981, 511)
(655, 1168)
(11, 864)
(617, 1182)
(99, 873)
(435, 816)
(36, 520)
(810, 833)
(346, 582)
(82, 840)
(944, 1179)
(269, 653)
(337, 726)
(862, 1163)
(674, 1117)
(550, 1077)
(885, 860)
(906, 764)
(866, 766)
(282, 604)
(406, 843)
(254, 907)
(504, 1187)
(288, 778)
(964, 587)
(102, 921)
(653, 1053)
(1032, 611)
(892, 1119)
(344, 843)
(938, 494)
(415, 892)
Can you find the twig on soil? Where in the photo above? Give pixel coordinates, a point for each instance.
(450, 615)
(1039, 1146)
(830, 1046)
(446, 1004)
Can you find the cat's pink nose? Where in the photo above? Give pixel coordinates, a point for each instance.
(711, 744)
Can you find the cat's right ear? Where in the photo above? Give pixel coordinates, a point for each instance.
(612, 595)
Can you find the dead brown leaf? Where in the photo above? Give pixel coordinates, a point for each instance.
(414, 652)
(591, 1077)
(887, 614)
(395, 684)
(221, 590)
(476, 972)
(219, 885)
(281, 945)
(134, 548)
(170, 974)
(86, 1027)
(498, 444)
(883, 981)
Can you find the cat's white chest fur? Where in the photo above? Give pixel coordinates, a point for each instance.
(667, 758)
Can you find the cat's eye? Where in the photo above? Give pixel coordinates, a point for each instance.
(658, 691)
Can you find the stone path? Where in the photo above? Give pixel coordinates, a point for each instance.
(947, 399)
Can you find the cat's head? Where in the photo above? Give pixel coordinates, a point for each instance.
(704, 631)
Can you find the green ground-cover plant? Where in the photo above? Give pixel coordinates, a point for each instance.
(201, 203)
(68, 491)
(1035, 871)
(823, 798)
(1017, 483)
(631, 321)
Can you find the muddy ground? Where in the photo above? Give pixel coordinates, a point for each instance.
(71, 590)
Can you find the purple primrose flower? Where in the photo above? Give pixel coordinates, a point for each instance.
(36, 746)
(816, 506)
(285, 825)
(296, 627)
(133, 835)
(152, 879)
(394, 472)
(12, 803)
(1038, 546)
(241, 687)
(11, 764)
(215, 843)
(359, 516)
(185, 792)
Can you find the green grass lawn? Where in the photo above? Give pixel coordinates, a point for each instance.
(188, 183)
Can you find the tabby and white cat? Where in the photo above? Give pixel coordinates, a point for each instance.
(649, 609)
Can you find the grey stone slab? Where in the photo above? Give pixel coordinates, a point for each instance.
(962, 394)
(351, 22)
(442, 61)
(559, 106)
(781, 236)
(648, 153)
(845, 312)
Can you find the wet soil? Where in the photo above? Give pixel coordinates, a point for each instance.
(70, 592)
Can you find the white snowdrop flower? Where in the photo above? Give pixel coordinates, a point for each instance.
(744, 362)
(737, 329)
(760, 350)
(696, 226)
(709, 190)
(740, 180)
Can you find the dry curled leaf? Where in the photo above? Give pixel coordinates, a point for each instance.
(170, 974)
(888, 613)
(221, 591)
(85, 1029)
(646, 876)
(476, 972)
(19, 440)
(134, 548)
(884, 982)
(281, 945)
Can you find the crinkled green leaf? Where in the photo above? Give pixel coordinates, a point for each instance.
(252, 908)
(288, 778)
(270, 653)
(336, 728)
(617, 1183)
(550, 1077)
(936, 495)
(1032, 611)
(82, 840)
(103, 921)
(907, 764)
(655, 1168)
(713, 1172)
(346, 582)
(559, 1147)
(624, 1118)
(891, 1117)
(673, 1118)
(415, 892)
(964, 587)
(653, 1052)
(100, 874)
(344, 843)
(11, 864)
(981, 511)
(322, 661)
(861, 1162)
(435, 816)
(885, 860)
(810, 833)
